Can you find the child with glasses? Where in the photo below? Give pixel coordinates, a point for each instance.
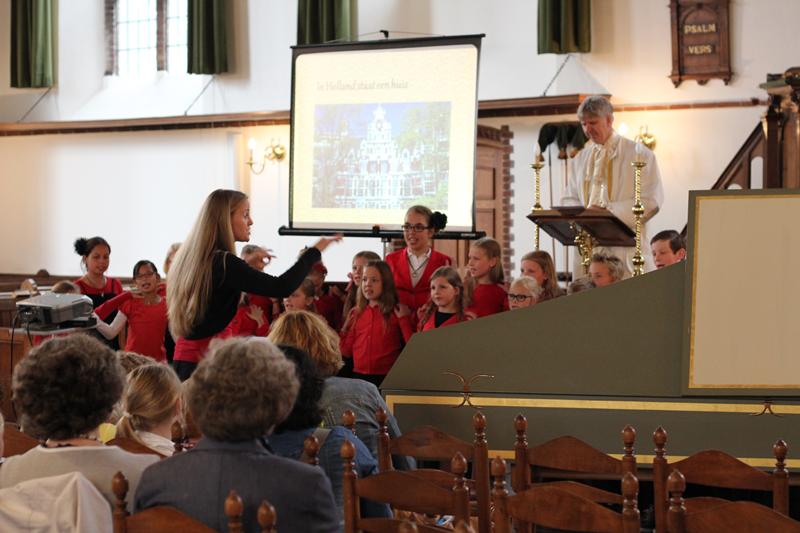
(144, 312)
(524, 292)
(413, 265)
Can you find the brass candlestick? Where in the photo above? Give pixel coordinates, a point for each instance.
(638, 213)
(537, 166)
(585, 244)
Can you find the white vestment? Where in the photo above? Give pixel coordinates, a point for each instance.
(605, 172)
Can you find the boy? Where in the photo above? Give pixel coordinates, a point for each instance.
(668, 248)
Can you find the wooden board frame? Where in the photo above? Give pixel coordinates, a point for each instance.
(692, 384)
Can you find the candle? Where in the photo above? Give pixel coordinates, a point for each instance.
(639, 152)
(251, 145)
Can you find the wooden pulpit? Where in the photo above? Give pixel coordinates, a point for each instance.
(565, 223)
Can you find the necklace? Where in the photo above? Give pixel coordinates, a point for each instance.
(417, 271)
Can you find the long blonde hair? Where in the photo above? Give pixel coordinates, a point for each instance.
(189, 287)
(492, 250)
(150, 398)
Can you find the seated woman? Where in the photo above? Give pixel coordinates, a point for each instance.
(63, 389)
(152, 403)
(305, 419)
(242, 389)
(309, 332)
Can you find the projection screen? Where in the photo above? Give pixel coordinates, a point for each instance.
(380, 126)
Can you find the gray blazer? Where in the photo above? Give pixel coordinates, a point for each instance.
(198, 481)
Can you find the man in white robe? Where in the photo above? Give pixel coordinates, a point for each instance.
(602, 176)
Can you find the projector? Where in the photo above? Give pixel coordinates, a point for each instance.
(55, 310)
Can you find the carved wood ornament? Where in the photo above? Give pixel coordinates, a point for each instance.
(700, 41)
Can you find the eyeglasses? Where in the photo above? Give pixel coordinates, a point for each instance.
(418, 228)
(518, 298)
(145, 275)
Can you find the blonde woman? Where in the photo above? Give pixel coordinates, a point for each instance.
(152, 401)
(207, 278)
(309, 332)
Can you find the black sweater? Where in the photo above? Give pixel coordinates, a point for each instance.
(230, 276)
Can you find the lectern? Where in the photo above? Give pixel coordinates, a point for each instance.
(584, 227)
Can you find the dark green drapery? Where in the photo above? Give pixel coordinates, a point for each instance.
(31, 43)
(564, 26)
(320, 21)
(208, 47)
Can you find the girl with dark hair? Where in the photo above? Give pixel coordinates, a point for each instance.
(378, 327)
(144, 312)
(413, 265)
(305, 420)
(95, 254)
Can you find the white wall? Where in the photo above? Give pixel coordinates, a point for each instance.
(54, 188)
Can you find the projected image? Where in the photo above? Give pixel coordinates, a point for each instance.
(381, 155)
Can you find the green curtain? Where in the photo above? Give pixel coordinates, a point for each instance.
(320, 21)
(564, 26)
(208, 47)
(31, 43)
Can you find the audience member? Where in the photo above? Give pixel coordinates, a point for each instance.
(412, 266)
(308, 332)
(668, 247)
(484, 282)
(152, 403)
(305, 420)
(239, 392)
(378, 327)
(606, 269)
(63, 390)
(446, 305)
(65, 287)
(524, 292)
(539, 266)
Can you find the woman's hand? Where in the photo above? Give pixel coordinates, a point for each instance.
(402, 310)
(324, 242)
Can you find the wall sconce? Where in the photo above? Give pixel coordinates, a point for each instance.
(646, 138)
(274, 152)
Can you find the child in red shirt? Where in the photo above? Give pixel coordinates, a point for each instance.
(145, 313)
(95, 255)
(483, 285)
(447, 300)
(378, 327)
(328, 305)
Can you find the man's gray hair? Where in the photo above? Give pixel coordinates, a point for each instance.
(595, 105)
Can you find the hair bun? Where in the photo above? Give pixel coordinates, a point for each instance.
(81, 246)
(438, 221)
